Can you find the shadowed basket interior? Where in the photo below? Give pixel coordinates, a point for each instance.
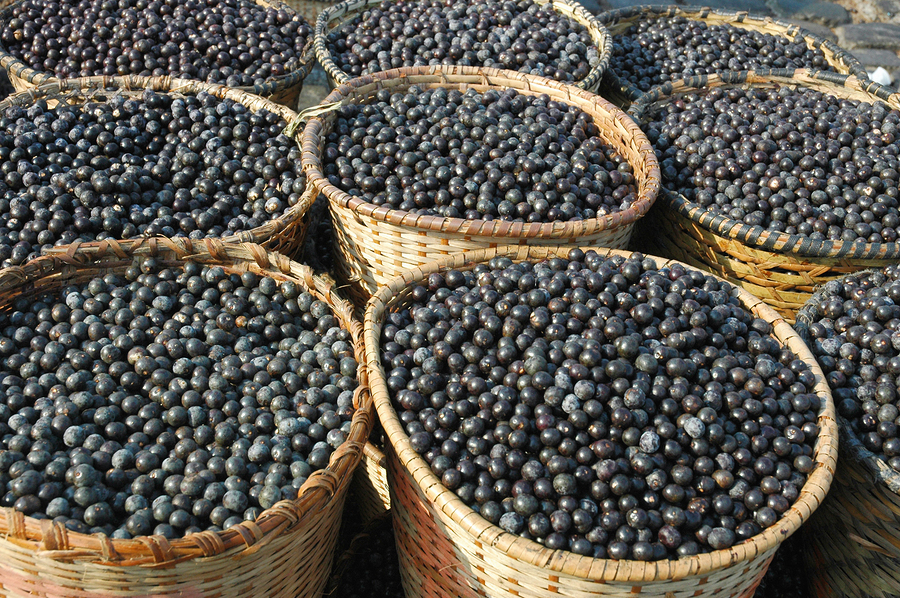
(337, 16)
(620, 21)
(375, 243)
(284, 90)
(781, 269)
(852, 543)
(447, 550)
(284, 233)
(286, 552)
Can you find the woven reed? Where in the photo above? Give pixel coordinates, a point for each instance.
(284, 90)
(619, 21)
(374, 243)
(284, 234)
(286, 552)
(781, 269)
(446, 549)
(309, 9)
(370, 490)
(335, 17)
(852, 543)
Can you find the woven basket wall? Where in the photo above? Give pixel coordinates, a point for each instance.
(370, 490)
(447, 550)
(783, 270)
(335, 17)
(618, 22)
(310, 9)
(284, 90)
(852, 543)
(286, 552)
(374, 244)
(284, 234)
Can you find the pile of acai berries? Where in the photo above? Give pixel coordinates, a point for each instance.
(796, 161)
(523, 35)
(238, 43)
(854, 326)
(495, 155)
(142, 165)
(602, 405)
(657, 50)
(168, 400)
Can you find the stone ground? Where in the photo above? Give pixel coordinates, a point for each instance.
(870, 29)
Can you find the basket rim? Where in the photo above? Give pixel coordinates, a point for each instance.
(348, 10)
(835, 55)
(647, 183)
(56, 542)
(16, 67)
(564, 562)
(755, 235)
(135, 83)
(850, 445)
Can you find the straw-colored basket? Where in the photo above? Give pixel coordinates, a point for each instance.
(852, 543)
(781, 269)
(286, 552)
(283, 90)
(309, 9)
(620, 21)
(284, 234)
(446, 549)
(335, 17)
(375, 244)
(370, 490)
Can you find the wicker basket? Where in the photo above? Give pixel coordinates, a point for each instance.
(283, 90)
(446, 549)
(619, 21)
(335, 17)
(781, 269)
(370, 490)
(852, 543)
(374, 244)
(309, 9)
(286, 552)
(284, 234)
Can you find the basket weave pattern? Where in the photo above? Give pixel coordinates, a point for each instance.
(446, 549)
(284, 234)
(375, 244)
(286, 552)
(619, 21)
(371, 492)
(336, 16)
(781, 269)
(284, 90)
(853, 541)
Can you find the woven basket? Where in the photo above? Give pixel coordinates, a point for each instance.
(374, 244)
(781, 269)
(446, 549)
(370, 490)
(283, 90)
(286, 552)
(284, 234)
(619, 21)
(337, 16)
(309, 9)
(852, 544)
